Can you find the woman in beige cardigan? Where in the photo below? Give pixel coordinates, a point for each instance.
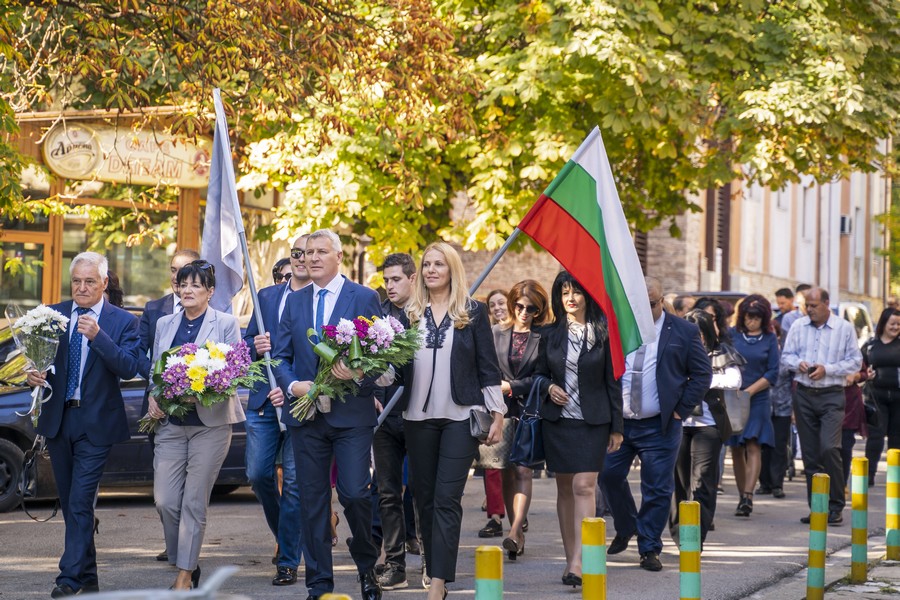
(189, 451)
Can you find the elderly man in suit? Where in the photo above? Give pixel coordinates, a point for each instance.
(85, 415)
(663, 382)
(344, 432)
(264, 435)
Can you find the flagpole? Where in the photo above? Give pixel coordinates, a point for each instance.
(242, 237)
(490, 266)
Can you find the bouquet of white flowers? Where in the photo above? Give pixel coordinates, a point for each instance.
(37, 334)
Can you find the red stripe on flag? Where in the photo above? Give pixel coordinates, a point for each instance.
(558, 233)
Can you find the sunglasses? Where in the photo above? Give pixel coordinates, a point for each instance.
(278, 277)
(531, 310)
(203, 265)
(297, 253)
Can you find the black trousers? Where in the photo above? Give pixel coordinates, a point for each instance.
(820, 416)
(440, 455)
(889, 409)
(775, 458)
(697, 474)
(389, 448)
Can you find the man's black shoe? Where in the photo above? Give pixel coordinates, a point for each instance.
(835, 517)
(805, 520)
(369, 586)
(493, 528)
(393, 578)
(312, 597)
(778, 492)
(650, 562)
(285, 576)
(619, 543)
(89, 588)
(412, 546)
(162, 556)
(63, 591)
(763, 491)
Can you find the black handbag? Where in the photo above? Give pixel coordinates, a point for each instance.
(528, 443)
(480, 424)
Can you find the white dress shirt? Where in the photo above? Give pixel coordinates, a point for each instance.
(649, 392)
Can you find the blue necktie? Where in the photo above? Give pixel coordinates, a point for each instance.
(320, 312)
(73, 375)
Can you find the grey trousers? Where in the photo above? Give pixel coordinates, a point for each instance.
(819, 417)
(186, 463)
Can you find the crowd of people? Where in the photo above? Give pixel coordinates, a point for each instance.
(401, 484)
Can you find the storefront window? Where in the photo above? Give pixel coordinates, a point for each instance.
(143, 269)
(21, 275)
(41, 222)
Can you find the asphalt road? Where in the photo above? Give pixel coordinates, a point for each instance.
(741, 557)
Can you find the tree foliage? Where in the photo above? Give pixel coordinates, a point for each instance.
(372, 118)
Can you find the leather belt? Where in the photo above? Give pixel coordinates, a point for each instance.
(831, 389)
(73, 404)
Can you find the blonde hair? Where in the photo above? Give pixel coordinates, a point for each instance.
(459, 295)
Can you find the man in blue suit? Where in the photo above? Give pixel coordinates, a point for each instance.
(85, 415)
(264, 435)
(663, 382)
(344, 432)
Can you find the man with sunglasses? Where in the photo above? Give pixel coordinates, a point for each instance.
(664, 380)
(264, 434)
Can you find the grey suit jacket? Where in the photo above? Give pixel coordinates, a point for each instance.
(218, 327)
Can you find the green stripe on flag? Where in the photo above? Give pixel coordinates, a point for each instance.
(575, 191)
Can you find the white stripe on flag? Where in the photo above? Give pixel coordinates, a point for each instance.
(222, 225)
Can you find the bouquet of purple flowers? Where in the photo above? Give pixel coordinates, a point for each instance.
(370, 345)
(190, 374)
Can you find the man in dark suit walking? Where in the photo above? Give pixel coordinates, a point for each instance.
(663, 382)
(343, 431)
(86, 414)
(264, 435)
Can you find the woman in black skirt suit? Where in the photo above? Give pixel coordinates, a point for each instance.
(582, 408)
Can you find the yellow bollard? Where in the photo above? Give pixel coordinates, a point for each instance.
(593, 559)
(892, 510)
(689, 546)
(859, 534)
(818, 524)
(488, 573)
(335, 597)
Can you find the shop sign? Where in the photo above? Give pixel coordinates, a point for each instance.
(105, 153)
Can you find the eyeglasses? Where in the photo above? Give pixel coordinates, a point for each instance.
(278, 277)
(531, 310)
(297, 253)
(203, 265)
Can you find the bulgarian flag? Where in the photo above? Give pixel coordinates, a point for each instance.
(579, 220)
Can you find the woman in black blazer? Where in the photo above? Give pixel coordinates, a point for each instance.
(453, 373)
(582, 408)
(516, 340)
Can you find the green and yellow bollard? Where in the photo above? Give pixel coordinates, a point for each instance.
(818, 524)
(892, 510)
(689, 545)
(859, 534)
(488, 573)
(593, 559)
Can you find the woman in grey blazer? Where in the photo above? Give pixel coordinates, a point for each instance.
(189, 451)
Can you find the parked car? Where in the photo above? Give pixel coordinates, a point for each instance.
(130, 463)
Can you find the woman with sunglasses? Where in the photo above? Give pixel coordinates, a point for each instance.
(189, 451)
(755, 340)
(582, 408)
(282, 270)
(516, 341)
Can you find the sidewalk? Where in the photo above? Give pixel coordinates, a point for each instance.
(883, 579)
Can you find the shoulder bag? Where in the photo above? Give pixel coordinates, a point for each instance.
(528, 442)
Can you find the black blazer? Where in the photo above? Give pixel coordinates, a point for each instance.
(473, 361)
(598, 388)
(520, 380)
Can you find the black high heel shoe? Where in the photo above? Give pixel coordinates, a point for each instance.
(195, 578)
(513, 548)
(571, 579)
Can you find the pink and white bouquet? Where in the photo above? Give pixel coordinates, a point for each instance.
(36, 334)
(190, 374)
(371, 345)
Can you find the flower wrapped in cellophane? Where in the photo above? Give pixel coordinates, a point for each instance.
(36, 334)
(370, 345)
(187, 375)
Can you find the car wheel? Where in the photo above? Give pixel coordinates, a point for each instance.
(221, 490)
(11, 458)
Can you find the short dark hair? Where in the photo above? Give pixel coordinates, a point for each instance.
(276, 270)
(802, 287)
(200, 270)
(757, 306)
(784, 293)
(678, 302)
(886, 314)
(402, 260)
